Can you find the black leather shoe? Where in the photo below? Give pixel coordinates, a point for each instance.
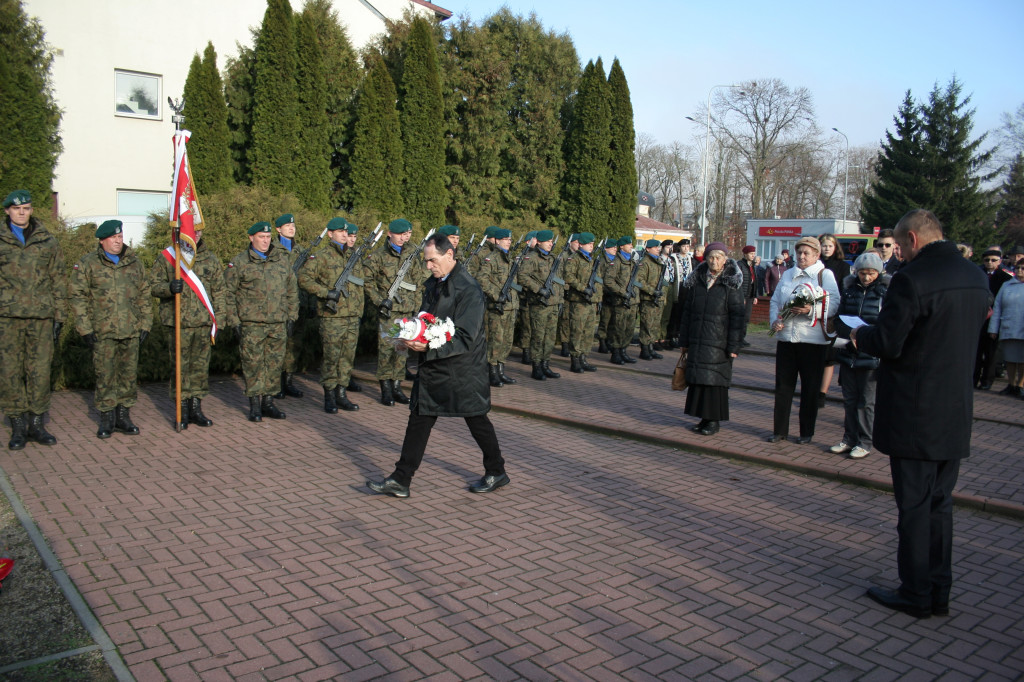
(106, 424)
(18, 433)
(489, 484)
(123, 421)
(342, 401)
(587, 367)
(776, 438)
(538, 372)
(710, 430)
(803, 440)
(940, 608)
(389, 486)
(38, 432)
(397, 394)
(330, 405)
(505, 379)
(493, 377)
(700, 425)
(626, 357)
(269, 409)
(548, 372)
(195, 413)
(892, 599)
(385, 393)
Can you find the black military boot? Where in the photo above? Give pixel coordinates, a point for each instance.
(287, 387)
(493, 377)
(602, 346)
(505, 379)
(106, 424)
(617, 357)
(587, 367)
(386, 398)
(123, 421)
(185, 405)
(396, 391)
(654, 352)
(565, 350)
(38, 432)
(342, 400)
(575, 365)
(645, 352)
(409, 376)
(268, 408)
(527, 360)
(17, 433)
(546, 366)
(195, 413)
(538, 372)
(353, 386)
(626, 357)
(255, 409)
(330, 406)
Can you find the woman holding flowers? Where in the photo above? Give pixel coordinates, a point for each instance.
(806, 298)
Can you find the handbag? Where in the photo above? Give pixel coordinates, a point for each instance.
(679, 376)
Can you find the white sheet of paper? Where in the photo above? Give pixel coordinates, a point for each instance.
(852, 321)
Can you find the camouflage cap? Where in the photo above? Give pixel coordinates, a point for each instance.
(545, 235)
(108, 229)
(258, 227)
(399, 226)
(449, 231)
(501, 233)
(284, 220)
(585, 237)
(338, 223)
(17, 198)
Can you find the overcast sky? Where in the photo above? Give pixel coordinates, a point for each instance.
(856, 58)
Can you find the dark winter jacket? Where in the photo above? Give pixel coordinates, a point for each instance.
(749, 286)
(865, 303)
(838, 266)
(927, 337)
(772, 277)
(452, 379)
(711, 328)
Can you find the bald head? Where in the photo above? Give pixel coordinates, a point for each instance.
(917, 229)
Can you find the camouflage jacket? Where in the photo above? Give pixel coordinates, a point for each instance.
(492, 274)
(624, 274)
(615, 274)
(261, 289)
(33, 277)
(577, 277)
(533, 274)
(321, 271)
(381, 268)
(474, 263)
(208, 268)
(110, 300)
(648, 275)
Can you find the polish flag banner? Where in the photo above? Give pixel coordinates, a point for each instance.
(196, 285)
(185, 212)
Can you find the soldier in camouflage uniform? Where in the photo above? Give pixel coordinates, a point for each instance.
(382, 267)
(112, 311)
(33, 301)
(525, 321)
(581, 301)
(499, 320)
(652, 298)
(195, 323)
(620, 333)
(562, 335)
(264, 299)
(454, 235)
(473, 259)
(607, 271)
(543, 302)
(339, 329)
(290, 247)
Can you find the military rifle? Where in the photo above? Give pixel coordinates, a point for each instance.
(399, 283)
(303, 256)
(588, 292)
(475, 252)
(340, 288)
(553, 277)
(633, 284)
(510, 281)
(661, 278)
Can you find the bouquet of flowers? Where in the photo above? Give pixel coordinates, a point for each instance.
(424, 328)
(804, 295)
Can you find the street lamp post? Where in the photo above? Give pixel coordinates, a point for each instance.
(707, 151)
(846, 183)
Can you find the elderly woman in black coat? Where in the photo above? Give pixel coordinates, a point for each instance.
(711, 331)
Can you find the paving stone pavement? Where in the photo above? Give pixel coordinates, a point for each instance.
(254, 551)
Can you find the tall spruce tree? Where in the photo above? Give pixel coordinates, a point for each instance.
(238, 87)
(377, 147)
(29, 116)
(342, 74)
(895, 189)
(275, 120)
(313, 182)
(1010, 217)
(422, 118)
(624, 185)
(206, 115)
(586, 196)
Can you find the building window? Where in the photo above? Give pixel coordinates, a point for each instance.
(131, 202)
(137, 94)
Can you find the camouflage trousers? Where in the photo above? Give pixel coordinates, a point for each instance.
(291, 350)
(262, 350)
(563, 335)
(620, 333)
(390, 362)
(500, 328)
(26, 353)
(582, 320)
(543, 321)
(195, 361)
(525, 324)
(650, 321)
(116, 362)
(339, 336)
(666, 310)
(605, 321)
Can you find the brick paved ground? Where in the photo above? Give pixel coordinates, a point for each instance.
(255, 552)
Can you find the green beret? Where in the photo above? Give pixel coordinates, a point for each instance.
(108, 229)
(258, 227)
(489, 232)
(399, 226)
(545, 235)
(338, 223)
(531, 235)
(651, 243)
(17, 198)
(574, 237)
(610, 243)
(501, 233)
(351, 228)
(284, 219)
(585, 237)
(449, 231)
(624, 240)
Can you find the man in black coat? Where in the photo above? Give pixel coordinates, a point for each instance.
(926, 336)
(452, 380)
(988, 348)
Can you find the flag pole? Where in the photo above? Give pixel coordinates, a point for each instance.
(178, 119)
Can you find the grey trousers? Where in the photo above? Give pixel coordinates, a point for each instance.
(859, 400)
